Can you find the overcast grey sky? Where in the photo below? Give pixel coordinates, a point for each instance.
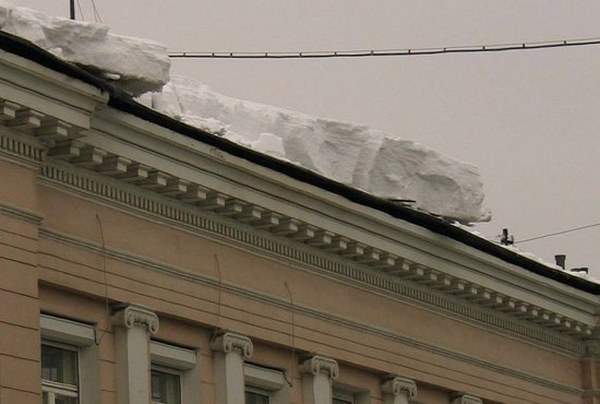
(529, 120)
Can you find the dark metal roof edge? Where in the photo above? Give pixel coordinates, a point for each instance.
(121, 100)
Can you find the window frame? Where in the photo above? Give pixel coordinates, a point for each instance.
(258, 390)
(53, 388)
(268, 381)
(169, 371)
(342, 395)
(183, 362)
(74, 335)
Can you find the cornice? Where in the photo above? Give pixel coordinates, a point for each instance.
(20, 149)
(396, 385)
(120, 180)
(151, 265)
(320, 364)
(137, 316)
(229, 342)
(421, 284)
(21, 214)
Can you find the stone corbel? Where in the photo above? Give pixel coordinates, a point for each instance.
(466, 399)
(229, 342)
(395, 387)
(137, 316)
(320, 364)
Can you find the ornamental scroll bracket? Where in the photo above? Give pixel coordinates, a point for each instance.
(229, 342)
(320, 364)
(396, 385)
(466, 399)
(137, 316)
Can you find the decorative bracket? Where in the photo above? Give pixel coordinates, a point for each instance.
(139, 316)
(229, 341)
(320, 364)
(466, 399)
(396, 385)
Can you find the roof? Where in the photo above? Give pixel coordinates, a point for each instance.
(122, 101)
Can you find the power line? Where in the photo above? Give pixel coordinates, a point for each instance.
(558, 233)
(97, 16)
(387, 52)
(80, 10)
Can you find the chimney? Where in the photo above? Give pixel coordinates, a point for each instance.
(582, 269)
(560, 260)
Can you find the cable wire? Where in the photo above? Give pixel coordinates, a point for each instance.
(558, 233)
(97, 16)
(388, 52)
(80, 10)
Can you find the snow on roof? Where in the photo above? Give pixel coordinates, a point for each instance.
(138, 65)
(368, 159)
(365, 158)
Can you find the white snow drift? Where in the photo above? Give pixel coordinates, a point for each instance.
(356, 155)
(137, 65)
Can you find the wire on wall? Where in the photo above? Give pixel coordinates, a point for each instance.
(288, 377)
(99, 337)
(219, 294)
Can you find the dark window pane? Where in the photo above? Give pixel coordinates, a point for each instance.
(59, 365)
(64, 400)
(166, 388)
(253, 397)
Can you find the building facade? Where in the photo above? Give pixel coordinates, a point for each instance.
(145, 261)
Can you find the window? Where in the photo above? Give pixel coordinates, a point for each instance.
(175, 375)
(60, 374)
(257, 396)
(342, 398)
(166, 386)
(264, 385)
(70, 370)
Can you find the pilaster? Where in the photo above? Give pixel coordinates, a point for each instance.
(466, 399)
(398, 390)
(318, 374)
(590, 370)
(133, 327)
(230, 351)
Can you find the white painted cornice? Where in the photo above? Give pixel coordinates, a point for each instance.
(48, 92)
